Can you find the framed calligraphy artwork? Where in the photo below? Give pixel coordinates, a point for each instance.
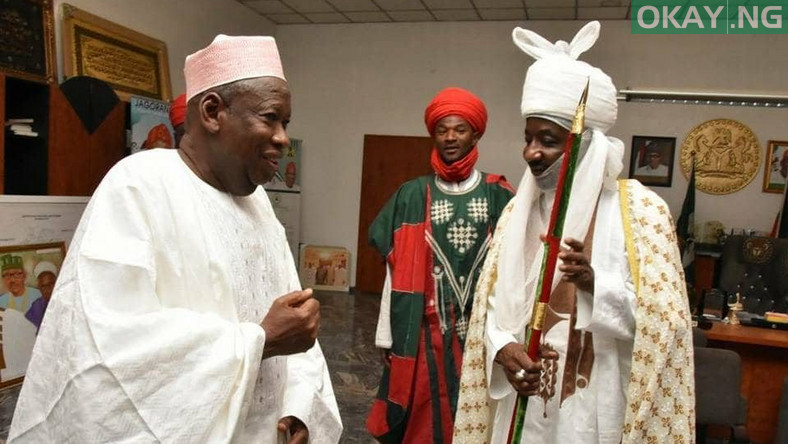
(131, 62)
(27, 41)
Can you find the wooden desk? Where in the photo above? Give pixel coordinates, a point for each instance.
(764, 356)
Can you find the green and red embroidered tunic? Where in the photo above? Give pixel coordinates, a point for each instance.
(434, 241)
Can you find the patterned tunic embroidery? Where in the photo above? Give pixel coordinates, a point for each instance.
(442, 211)
(459, 241)
(436, 240)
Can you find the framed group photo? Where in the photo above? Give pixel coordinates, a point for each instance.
(776, 169)
(29, 273)
(651, 160)
(325, 268)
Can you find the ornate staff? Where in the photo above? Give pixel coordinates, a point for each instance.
(552, 246)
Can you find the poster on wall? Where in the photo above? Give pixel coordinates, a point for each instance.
(287, 207)
(150, 124)
(35, 232)
(288, 177)
(284, 191)
(29, 273)
(39, 219)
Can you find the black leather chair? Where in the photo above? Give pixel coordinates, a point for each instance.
(718, 400)
(755, 267)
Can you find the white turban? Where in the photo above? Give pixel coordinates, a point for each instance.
(554, 83)
(43, 267)
(553, 86)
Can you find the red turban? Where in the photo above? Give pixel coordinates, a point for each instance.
(178, 110)
(456, 102)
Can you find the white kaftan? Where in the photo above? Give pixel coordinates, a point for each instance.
(593, 413)
(153, 334)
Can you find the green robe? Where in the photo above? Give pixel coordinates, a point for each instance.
(434, 242)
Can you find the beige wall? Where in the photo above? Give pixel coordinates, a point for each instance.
(351, 80)
(185, 25)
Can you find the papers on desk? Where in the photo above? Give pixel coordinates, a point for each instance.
(779, 318)
(754, 320)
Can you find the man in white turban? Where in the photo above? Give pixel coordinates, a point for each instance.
(178, 316)
(616, 349)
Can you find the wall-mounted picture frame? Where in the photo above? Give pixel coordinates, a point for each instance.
(775, 171)
(131, 62)
(651, 160)
(29, 273)
(325, 268)
(27, 33)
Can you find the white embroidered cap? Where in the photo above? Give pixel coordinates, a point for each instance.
(231, 58)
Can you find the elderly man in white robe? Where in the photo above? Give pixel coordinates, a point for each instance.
(616, 349)
(168, 322)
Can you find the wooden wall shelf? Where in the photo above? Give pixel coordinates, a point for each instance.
(64, 159)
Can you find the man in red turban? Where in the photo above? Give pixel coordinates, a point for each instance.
(178, 117)
(434, 234)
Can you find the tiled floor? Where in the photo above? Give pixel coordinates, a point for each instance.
(347, 337)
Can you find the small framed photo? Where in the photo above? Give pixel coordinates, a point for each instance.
(29, 274)
(776, 168)
(652, 160)
(325, 268)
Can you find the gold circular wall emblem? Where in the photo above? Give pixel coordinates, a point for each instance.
(727, 156)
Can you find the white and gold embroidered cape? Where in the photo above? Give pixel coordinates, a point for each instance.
(660, 396)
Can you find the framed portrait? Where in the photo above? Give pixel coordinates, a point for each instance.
(776, 167)
(28, 39)
(325, 268)
(29, 273)
(651, 161)
(131, 62)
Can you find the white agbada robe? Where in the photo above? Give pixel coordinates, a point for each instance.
(153, 332)
(18, 345)
(609, 314)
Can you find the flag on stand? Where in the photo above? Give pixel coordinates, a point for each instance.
(685, 231)
(782, 230)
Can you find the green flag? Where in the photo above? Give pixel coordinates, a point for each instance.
(685, 230)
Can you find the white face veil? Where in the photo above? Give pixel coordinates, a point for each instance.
(552, 88)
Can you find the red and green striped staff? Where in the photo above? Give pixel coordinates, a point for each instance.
(552, 246)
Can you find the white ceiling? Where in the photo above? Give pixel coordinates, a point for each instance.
(290, 12)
